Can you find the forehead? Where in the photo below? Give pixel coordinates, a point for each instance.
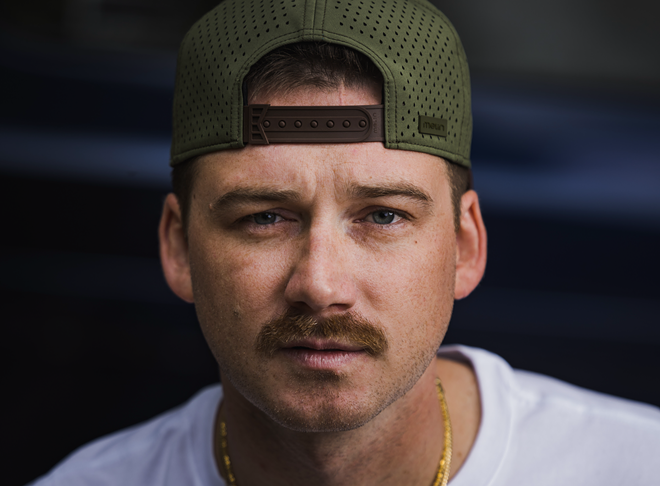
(314, 168)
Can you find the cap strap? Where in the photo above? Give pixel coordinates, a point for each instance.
(265, 124)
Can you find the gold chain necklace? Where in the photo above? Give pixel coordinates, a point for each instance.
(441, 477)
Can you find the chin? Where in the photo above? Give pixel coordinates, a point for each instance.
(320, 414)
(331, 404)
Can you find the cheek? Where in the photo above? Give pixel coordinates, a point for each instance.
(414, 289)
(235, 292)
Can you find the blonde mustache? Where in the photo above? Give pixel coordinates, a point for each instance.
(350, 328)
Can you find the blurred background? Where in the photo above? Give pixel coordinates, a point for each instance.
(566, 159)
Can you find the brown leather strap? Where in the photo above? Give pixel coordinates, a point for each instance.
(265, 124)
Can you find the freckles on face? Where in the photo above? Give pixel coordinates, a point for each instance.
(322, 230)
(411, 276)
(396, 268)
(235, 289)
(416, 292)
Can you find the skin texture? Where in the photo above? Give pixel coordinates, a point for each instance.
(364, 419)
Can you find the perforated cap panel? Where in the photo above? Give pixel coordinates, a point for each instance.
(414, 45)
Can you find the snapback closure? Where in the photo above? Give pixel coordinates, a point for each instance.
(265, 124)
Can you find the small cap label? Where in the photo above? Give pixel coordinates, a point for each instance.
(433, 126)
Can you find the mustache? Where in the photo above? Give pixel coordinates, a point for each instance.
(350, 328)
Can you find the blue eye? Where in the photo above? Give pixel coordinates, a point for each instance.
(383, 216)
(265, 218)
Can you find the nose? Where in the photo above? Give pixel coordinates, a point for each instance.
(321, 279)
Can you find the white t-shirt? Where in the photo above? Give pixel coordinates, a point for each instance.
(535, 431)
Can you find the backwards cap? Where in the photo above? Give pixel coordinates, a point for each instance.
(415, 47)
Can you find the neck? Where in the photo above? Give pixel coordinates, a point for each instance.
(402, 445)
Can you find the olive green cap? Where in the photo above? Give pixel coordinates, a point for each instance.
(425, 72)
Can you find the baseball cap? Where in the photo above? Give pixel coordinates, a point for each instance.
(426, 91)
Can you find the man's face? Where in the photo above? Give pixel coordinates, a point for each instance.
(322, 231)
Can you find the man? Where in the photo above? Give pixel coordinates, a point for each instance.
(323, 223)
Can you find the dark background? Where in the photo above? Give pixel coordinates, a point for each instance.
(566, 160)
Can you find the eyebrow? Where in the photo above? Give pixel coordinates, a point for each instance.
(246, 195)
(401, 189)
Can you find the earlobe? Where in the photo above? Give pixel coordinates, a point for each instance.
(470, 246)
(174, 250)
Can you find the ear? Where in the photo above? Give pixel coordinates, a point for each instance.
(470, 246)
(174, 250)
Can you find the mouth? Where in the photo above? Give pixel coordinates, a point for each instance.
(316, 344)
(322, 354)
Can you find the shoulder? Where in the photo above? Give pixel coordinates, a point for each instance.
(533, 390)
(531, 424)
(610, 438)
(171, 443)
(530, 391)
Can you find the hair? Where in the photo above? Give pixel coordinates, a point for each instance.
(310, 64)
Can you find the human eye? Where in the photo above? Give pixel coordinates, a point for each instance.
(265, 218)
(383, 217)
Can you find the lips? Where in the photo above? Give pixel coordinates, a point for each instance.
(322, 354)
(318, 344)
